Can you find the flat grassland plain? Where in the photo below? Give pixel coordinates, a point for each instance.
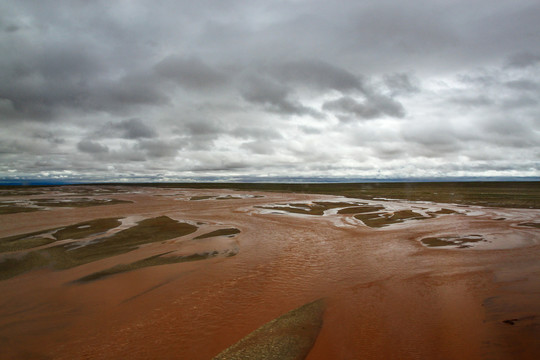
(184, 271)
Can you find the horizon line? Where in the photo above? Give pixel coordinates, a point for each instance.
(258, 180)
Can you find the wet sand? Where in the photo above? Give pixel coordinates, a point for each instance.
(387, 295)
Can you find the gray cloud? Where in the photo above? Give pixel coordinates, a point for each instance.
(134, 129)
(523, 60)
(92, 147)
(190, 73)
(259, 147)
(40, 91)
(273, 96)
(11, 28)
(472, 101)
(401, 83)
(349, 106)
(131, 129)
(48, 136)
(523, 84)
(259, 133)
(200, 133)
(235, 88)
(369, 108)
(158, 148)
(135, 89)
(200, 127)
(316, 74)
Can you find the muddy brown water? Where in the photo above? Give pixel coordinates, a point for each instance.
(387, 295)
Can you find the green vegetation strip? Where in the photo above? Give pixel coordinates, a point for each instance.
(39, 238)
(81, 202)
(220, 232)
(289, 337)
(150, 261)
(16, 209)
(85, 229)
(66, 256)
(384, 219)
(18, 243)
(511, 194)
(18, 191)
(456, 241)
(200, 197)
(228, 197)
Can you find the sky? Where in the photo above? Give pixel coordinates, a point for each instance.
(228, 89)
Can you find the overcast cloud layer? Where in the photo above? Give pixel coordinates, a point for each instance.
(176, 90)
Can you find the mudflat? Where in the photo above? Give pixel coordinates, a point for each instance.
(186, 273)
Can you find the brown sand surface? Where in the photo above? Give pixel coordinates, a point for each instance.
(387, 295)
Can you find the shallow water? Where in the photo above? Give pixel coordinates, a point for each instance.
(387, 295)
